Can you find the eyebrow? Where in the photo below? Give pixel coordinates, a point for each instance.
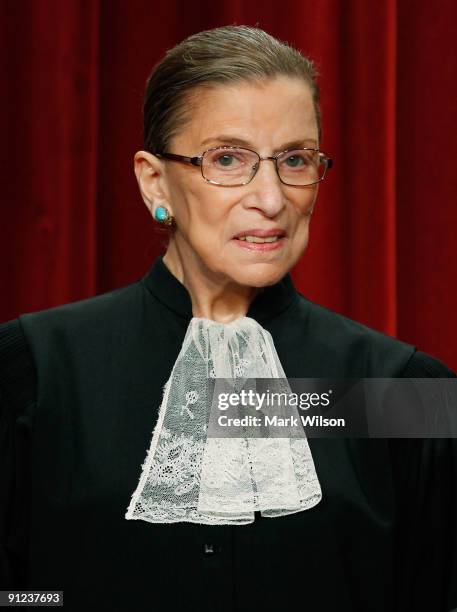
(227, 139)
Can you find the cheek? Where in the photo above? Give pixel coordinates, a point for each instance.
(207, 213)
(301, 235)
(187, 204)
(303, 208)
(305, 204)
(202, 215)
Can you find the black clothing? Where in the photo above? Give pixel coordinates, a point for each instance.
(81, 385)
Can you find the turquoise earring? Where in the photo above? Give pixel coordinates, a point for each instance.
(162, 215)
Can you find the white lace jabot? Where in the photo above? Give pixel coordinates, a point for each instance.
(191, 477)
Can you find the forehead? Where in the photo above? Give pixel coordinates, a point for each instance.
(267, 112)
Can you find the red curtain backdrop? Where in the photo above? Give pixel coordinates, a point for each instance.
(383, 238)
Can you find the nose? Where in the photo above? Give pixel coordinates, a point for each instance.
(266, 190)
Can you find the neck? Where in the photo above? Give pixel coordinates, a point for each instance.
(214, 295)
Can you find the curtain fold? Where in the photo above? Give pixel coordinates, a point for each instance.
(50, 106)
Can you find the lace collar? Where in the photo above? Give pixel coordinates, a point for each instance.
(190, 475)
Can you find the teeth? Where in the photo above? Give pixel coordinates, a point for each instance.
(258, 239)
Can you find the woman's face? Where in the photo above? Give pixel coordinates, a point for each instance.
(267, 117)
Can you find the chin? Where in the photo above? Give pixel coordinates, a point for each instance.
(260, 275)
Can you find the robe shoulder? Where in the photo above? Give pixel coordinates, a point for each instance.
(350, 348)
(19, 355)
(422, 365)
(88, 314)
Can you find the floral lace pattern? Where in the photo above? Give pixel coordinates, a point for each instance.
(189, 477)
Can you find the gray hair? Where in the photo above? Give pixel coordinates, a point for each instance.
(221, 55)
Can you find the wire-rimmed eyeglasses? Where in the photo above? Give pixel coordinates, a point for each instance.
(235, 166)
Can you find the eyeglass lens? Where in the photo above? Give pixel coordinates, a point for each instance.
(238, 166)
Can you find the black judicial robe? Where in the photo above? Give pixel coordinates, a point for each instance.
(81, 385)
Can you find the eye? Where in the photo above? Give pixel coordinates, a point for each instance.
(296, 160)
(228, 160)
(299, 160)
(225, 160)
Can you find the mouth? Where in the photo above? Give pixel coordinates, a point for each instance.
(260, 243)
(258, 240)
(259, 236)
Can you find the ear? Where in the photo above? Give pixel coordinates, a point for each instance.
(149, 171)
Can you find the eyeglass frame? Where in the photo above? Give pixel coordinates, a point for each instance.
(197, 160)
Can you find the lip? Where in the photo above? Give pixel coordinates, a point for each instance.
(265, 246)
(261, 233)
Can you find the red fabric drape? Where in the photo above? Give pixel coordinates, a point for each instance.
(382, 247)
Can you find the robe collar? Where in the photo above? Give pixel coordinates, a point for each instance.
(166, 288)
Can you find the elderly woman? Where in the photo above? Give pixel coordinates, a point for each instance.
(119, 519)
